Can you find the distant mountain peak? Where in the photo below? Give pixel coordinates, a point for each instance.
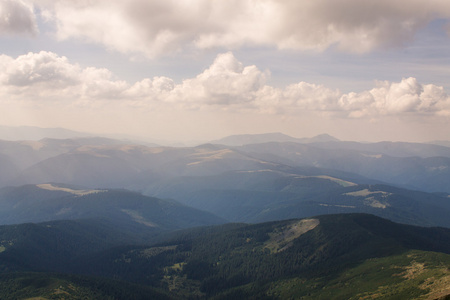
(324, 137)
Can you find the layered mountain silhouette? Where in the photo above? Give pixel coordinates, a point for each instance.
(250, 183)
(99, 162)
(246, 217)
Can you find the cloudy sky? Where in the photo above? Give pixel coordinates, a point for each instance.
(202, 69)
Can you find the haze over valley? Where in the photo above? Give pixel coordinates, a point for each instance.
(224, 149)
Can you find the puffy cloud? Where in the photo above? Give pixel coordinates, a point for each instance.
(409, 96)
(226, 85)
(17, 17)
(311, 97)
(225, 82)
(157, 27)
(45, 75)
(150, 88)
(38, 68)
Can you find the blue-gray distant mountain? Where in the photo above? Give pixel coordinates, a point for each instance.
(250, 183)
(26, 153)
(441, 143)
(33, 133)
(395, 149)
(244, 139)
(136, 166)
(422, 171)
(260, 196)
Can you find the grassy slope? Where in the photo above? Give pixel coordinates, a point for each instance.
(410, 275)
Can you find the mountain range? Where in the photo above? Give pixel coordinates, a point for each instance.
(250, 183)
(100, 162)
(246, 217)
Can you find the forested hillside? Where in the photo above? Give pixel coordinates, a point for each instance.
(278, 260)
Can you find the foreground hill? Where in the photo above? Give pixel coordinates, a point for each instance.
(47, 202)
(348, 256)
(52, 246)
(272, 259)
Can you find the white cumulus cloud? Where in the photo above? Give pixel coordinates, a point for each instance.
(408, 96)
(225, 82)
(227, 85)
(45, 75)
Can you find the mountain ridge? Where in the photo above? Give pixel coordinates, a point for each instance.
(51, 202)
(243, 139)
(37, 133)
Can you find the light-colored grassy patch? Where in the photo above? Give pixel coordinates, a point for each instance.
(50, 187)
(178, 283)
(149, 252)
(341, 182)
(207, 155)
(138, 218)
(438, 287)
(412, 275)
(366, 192)
(60, 291)
(373, 155)
(337, 205)
(176, 267)
(282, 238)
(371, 201)
(413, 270)
(376, 199)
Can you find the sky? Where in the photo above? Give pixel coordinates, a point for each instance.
(199, 70)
